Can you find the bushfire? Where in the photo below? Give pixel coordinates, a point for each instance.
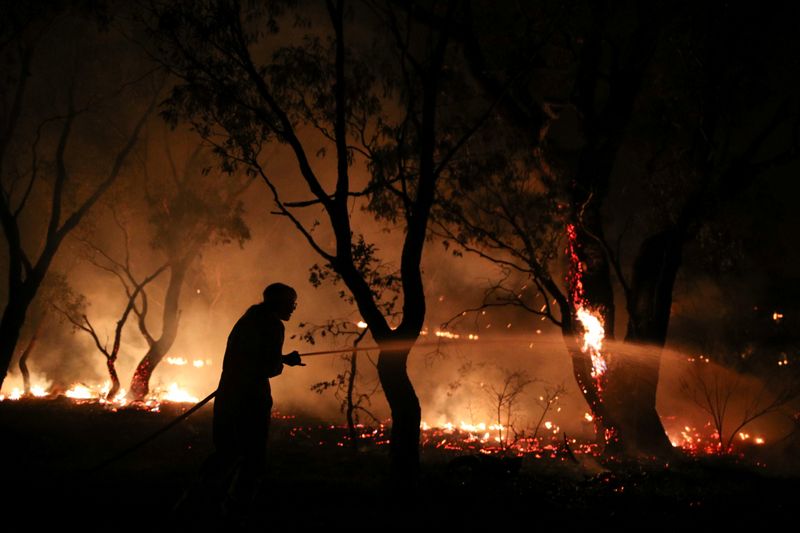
(98, 393)
(548, 441)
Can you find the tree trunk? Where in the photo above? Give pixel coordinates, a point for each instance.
(649, 304)
(112, 373)
(406, 413)
(23, 359)
(140, 384)
(631, 397)
(10, 327)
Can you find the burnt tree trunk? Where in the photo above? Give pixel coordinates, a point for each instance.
(140, 384)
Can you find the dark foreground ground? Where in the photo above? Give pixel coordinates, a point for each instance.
(49, 446)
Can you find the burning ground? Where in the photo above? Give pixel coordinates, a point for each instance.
(316, 477)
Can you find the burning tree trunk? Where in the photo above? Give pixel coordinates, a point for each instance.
(625, 400)
(170, 318)
(195, 209)
(591, 309)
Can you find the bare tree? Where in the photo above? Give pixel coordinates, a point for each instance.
(134, 290)
(546, 401)
(716, 391)
(505, 402)
(30, 254)
(344, 384)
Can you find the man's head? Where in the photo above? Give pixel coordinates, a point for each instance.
(281, 299)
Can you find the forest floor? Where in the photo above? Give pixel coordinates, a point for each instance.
(49, 447)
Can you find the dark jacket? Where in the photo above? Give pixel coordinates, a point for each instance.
(253, 353)
(252, 356)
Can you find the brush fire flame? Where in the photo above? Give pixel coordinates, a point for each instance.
(593, 335)
(98, 393)
(592, 322)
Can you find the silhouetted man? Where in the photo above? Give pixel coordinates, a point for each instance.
(244, 401)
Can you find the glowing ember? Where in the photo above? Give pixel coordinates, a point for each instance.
(487, 438)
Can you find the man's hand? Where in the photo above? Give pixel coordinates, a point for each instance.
(293, 359)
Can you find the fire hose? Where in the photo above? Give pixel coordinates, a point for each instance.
(199, 406)
(208, 398)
